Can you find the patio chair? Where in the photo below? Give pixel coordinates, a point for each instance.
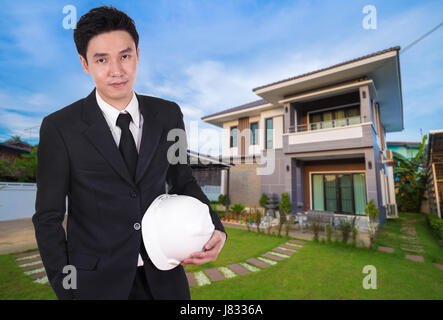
(324, 218)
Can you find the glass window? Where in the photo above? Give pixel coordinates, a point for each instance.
(353, 115)
(315, 121)
(269, 135)
(254, 133)
(342, 193)
(359, 193)
(331, 193)
(233, 139)
(327, 120)
(318, 193)
(340, 118)
(346, 194)
(334, 118)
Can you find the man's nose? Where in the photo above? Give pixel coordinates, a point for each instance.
(115, 69)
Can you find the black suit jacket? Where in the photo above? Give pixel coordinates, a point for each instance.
(78, 158)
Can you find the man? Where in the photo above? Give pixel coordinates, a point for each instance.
(108, 154)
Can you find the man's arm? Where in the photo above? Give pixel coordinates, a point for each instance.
(50, 205)
(181, 181)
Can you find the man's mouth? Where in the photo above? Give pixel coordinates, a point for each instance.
(118, 84)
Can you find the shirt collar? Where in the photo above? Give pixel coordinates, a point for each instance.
(112, 113)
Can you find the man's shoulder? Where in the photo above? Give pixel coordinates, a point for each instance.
(67, 113)
(162, 106)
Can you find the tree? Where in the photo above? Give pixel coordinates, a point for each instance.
(372, 211)
(14, 139)
(410, 179)
(285, 208)
(263, 201)
(25, 168)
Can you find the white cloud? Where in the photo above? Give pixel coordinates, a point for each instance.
(15, 124)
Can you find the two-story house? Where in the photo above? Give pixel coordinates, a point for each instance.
(327, 132)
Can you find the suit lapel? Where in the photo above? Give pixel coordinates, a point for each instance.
(152, 131)
(100, 136)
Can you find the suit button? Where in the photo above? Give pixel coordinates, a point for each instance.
(137, 226)
(133, 194)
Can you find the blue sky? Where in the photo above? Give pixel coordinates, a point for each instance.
(208, 55)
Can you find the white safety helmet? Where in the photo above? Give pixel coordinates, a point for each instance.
(173, 227)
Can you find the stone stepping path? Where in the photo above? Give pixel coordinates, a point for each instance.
(386, 249)
(238, 269)
(287, 252)
(259, 263)
(272, 257)
(412, 250)
(254, 264)
(410, 242)
(214, 274)
(414, 258)
(290, 246)
(32, 266)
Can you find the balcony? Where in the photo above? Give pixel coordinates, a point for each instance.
(335, 134)
(338, 123)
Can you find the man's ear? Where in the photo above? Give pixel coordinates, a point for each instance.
(84, 63)
(138, 54)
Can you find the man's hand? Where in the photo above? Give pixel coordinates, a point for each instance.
(211, 250)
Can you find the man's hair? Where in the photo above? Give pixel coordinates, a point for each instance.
(100, 20)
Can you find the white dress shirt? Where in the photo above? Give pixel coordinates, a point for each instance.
(135, 126)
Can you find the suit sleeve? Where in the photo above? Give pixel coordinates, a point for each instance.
(181, 181)
(53, 175)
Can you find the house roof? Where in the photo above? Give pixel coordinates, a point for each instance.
(243, 106)
(331, 67)
(435, 147)
(396, 143)
(16, 146)
(205, 160)
(381, 67)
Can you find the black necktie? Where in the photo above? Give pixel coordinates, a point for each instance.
(127, 145)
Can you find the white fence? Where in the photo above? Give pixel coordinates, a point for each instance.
(17, 200)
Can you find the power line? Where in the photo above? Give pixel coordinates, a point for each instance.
(421, 38)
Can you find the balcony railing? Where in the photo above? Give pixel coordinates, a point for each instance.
(338, 123)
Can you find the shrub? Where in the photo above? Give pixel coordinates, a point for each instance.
(263, 200)
(345, 227)
(222, 199)
(256, 217)
(237, 209)
(354, 231)
(315, 227)
(289, 224)
(372, 212)
(221, 214)
(328, 232)
(285, 208)
(436, 225)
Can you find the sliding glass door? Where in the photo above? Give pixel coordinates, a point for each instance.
(330, 193)
(341, 193)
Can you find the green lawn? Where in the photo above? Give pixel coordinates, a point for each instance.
(390, 237)
(240, 246)
(328, 271)
(316, 271)
(15, 285)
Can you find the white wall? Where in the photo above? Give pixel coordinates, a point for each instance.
(17, 200)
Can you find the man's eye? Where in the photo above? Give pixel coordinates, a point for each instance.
(101, 60)
(125, 56)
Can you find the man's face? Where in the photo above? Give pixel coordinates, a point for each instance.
(112, 63)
